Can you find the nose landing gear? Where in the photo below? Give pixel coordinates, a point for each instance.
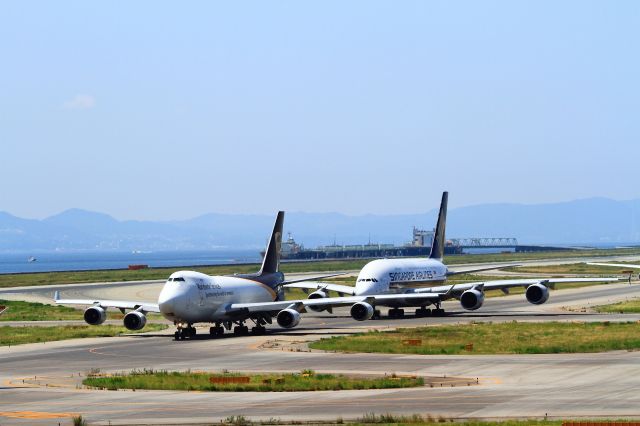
(188, 332)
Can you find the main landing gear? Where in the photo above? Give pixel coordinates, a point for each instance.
(423, 312)
(396, 313)
(217, 331)
(188, 332)
(438, 311)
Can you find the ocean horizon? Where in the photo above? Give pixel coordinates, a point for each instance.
(85, 260)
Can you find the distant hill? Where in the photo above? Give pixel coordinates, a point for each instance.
(587, 221)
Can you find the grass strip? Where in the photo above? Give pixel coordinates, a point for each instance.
(29, 311)
(21, 335)
(627, 307)
(49, 278)
(263, 382)
(492, 338)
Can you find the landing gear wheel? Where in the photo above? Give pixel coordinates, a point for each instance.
(216, 331)
(240, 330)
(396, 313)
(423, 312)
(376, 314)
(438, 312)
(180, 334)
(258, 330)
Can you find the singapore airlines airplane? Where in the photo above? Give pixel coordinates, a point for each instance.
(418, 282)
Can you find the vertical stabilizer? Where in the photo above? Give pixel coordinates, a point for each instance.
(271, 261)
(437, 248)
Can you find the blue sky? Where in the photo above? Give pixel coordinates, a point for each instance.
(164, 110)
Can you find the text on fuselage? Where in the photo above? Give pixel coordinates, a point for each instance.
(411, 275)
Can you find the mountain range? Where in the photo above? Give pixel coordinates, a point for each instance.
(586, 221)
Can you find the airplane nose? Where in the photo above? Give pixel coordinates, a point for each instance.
(167, 306)
(167, 301)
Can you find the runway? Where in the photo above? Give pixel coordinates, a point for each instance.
(566, 385)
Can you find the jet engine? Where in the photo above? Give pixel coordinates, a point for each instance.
(472, 299)
(318, 295)
(537, 294)
(288, 318)
(135, 320)
(95, 315)
(361, 311)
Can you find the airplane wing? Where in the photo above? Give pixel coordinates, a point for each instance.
(119, 304)
(506, 284)
(484, 268)
(300, 304)
(341, 289)
(617, 265)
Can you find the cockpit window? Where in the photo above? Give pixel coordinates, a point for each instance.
(176, 279)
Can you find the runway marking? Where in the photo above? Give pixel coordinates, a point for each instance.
(34, 415)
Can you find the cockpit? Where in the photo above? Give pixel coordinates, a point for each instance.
(175, 279)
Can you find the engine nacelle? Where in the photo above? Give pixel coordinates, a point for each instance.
(135, 320)
(95, 315)
(537, 294)
(472, 299)
(288, 318)
(361, 311)
(318, 295)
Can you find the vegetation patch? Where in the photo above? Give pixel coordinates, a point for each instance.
(306, 380)
(488, 338)
(22, 335)
(627, 307)
(28, 311)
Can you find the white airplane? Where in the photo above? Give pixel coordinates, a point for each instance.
(418, 282)
(190, 297)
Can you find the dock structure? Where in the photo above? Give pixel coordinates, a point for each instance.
(419, 246)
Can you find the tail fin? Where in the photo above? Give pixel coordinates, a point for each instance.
(437, 248)
(271, 261)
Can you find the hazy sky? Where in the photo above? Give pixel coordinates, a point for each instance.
(167, 110)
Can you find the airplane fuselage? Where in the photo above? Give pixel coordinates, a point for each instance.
(383, 276)
(193, 297)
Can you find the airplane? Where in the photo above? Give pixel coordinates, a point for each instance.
(190, 297)
(420, 282)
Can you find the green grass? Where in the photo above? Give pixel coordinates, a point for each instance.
(28, 311)
(22, 335)
(264, 382)
(49, 278)
(627, 307)
(487, 338)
